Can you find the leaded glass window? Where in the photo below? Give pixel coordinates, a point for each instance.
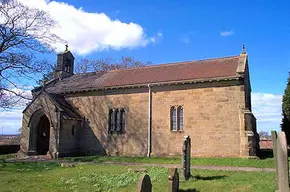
(173, 118)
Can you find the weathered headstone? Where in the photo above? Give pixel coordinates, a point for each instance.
(274, 143)
(280, 151)
(173, 183)
(186, 152)
(144, 184)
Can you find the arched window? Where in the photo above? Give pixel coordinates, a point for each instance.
(173, 118)
(123, 119)
(116, 112)
(118, 120)
(180, 118)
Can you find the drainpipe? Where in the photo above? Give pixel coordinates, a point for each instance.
(149, 145)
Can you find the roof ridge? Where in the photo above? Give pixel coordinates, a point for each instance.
(175, 63)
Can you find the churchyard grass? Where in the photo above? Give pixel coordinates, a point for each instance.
(235, 162)
(8, 156)
(96, 177)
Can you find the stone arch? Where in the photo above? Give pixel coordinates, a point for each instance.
(39, 135)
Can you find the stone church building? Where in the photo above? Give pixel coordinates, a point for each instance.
(143, 111)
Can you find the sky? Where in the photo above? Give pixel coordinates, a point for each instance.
(179, 30)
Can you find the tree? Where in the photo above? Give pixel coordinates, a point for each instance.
(107, 64)
(286, 110)
(24, 33)
(264, 134)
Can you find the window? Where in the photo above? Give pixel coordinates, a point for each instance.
(180, 118)
(73, 130)
(116, 112)
(116, 121)
(176, 118)
(123, 118)
(111, 121)
(173, 118)
(68, 64)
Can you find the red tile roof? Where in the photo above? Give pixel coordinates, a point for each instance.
(191, 70)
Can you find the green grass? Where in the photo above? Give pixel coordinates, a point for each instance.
(235, 162)
(7, 156)
(96, 177)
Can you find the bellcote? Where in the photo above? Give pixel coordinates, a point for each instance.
(65, 64)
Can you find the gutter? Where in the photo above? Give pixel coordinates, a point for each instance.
(149, 139)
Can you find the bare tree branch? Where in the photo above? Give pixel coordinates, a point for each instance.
(107, 64)
(24, 33)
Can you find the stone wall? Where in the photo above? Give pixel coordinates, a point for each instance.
(210, 118)
(69, 137)
(42, 104)
(94, 106)
(213, 118)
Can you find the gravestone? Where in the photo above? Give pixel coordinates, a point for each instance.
(274, 143)
(186, 152)
(173, 183)
(280, 151)
(144, 184)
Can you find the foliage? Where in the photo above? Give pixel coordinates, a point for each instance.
(94, 177)
(286, 111)
(24, 32)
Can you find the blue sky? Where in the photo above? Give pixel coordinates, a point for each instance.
(192, 30)
(179, 30)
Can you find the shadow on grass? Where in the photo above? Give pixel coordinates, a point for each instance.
(265, 153)
(198, 177)
(187, 190)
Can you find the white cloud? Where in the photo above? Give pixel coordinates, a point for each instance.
(267, 110)
(10, 119)
(87, 32)
(226, 33)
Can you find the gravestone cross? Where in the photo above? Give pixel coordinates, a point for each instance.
(280, 151)
(186, 152)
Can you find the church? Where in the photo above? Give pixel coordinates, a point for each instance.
(144, 111)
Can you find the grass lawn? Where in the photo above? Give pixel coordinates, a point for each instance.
(235, 162)
(96, 177)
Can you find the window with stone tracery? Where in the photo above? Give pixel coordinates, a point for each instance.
(117, 119)
(176, 118)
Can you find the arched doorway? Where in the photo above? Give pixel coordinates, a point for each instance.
(42, 143)
(39, 126)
